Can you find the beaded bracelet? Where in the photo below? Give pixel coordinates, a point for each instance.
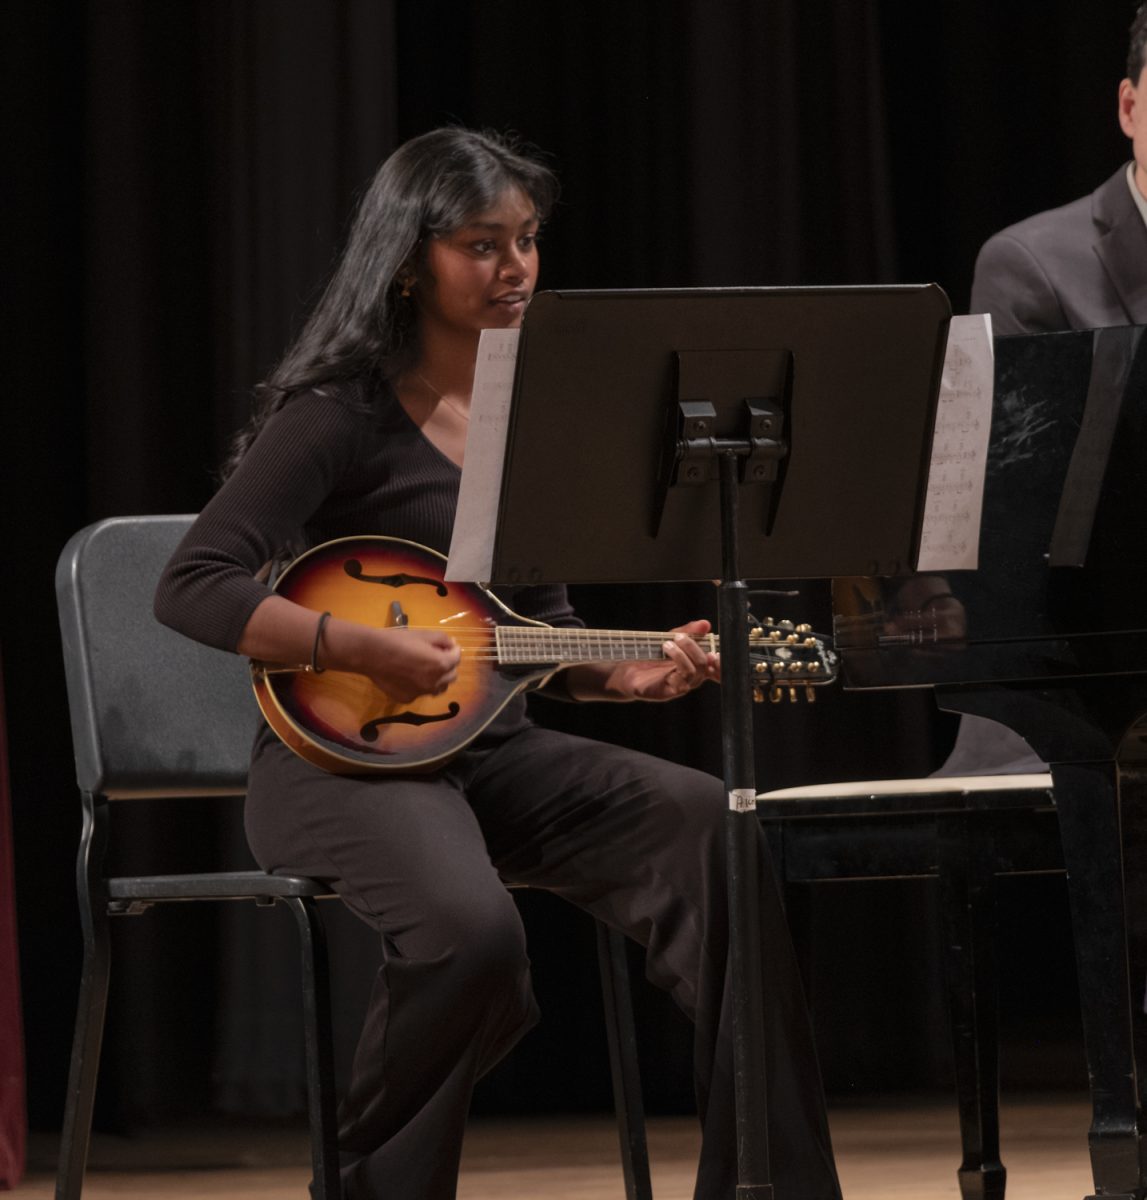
(314, 668)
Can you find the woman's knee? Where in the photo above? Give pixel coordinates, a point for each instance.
(698, 805)
(482, 942)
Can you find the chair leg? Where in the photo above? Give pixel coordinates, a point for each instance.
(326, 1184)
(91, 1007)
(622, 1037)
(967, 914)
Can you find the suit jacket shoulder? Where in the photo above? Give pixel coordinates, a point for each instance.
(1081, 266)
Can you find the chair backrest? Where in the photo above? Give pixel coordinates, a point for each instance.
(152, 712)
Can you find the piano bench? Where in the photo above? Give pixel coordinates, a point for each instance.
(963, 831)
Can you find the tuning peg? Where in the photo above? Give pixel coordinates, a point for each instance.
(802, 628)
(792, 695)
(761, 668)
(758, 695)
(776, 694)
(810, 694)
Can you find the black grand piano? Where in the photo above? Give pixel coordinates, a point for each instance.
(1050, 639)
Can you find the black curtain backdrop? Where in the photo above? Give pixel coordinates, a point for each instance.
(178, 180)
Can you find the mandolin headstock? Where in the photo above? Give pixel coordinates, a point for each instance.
(788, 659)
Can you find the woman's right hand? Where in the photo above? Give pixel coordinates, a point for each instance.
(405, 663)
(408, 663)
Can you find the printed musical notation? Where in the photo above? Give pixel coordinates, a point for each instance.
(951, 534)
(472, 544)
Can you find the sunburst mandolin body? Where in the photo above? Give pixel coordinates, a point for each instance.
(343, 723)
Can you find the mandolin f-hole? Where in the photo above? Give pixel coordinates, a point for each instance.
(369, 732)
(353, 568)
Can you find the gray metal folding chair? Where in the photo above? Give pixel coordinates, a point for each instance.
(155, 715)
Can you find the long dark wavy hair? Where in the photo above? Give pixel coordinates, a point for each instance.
(362, 325)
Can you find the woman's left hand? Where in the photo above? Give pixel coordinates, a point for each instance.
(686, 666)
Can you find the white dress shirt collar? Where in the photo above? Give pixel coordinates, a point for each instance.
(1137, 195)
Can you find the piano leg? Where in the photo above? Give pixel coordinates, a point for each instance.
(1133, 815)
(1088, 799)
(968, 919)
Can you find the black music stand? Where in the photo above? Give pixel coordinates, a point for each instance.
(812, 408)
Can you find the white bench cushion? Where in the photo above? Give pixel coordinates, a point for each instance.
(918, 787)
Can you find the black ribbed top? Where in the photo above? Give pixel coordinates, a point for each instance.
(341, 461)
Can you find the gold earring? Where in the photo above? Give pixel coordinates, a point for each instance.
(407, 284)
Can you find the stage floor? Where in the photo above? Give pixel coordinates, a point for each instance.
(895, 1150)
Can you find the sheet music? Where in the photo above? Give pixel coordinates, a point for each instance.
(950, 539)
(472, 543)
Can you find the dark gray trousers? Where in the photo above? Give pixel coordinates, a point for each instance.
(636, 841)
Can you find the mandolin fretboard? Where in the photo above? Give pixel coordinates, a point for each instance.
(525, 644)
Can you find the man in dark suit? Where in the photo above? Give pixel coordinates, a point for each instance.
(1082, 266)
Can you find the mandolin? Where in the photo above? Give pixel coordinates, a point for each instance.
(341, 722)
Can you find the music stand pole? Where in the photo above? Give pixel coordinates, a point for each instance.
(742, 850)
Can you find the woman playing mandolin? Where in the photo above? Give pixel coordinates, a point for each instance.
(361, 431)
